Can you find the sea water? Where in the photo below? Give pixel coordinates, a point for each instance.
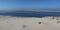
(31, 14)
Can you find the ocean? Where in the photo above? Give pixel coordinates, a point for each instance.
(31, 14)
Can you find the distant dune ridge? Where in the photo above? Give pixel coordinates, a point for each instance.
(29, 23)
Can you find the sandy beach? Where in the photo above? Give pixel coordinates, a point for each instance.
(29, 23)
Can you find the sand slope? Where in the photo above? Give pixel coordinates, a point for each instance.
(31, 23)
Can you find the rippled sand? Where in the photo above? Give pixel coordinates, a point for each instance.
(29, 23)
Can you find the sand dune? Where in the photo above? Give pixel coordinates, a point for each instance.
(29, 23)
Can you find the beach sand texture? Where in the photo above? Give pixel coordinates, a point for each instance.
(29, 23)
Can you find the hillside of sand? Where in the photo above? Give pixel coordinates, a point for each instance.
(29, 23)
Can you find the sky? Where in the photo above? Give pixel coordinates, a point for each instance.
(28, 4)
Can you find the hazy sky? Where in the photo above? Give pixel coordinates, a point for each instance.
(22, 4)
